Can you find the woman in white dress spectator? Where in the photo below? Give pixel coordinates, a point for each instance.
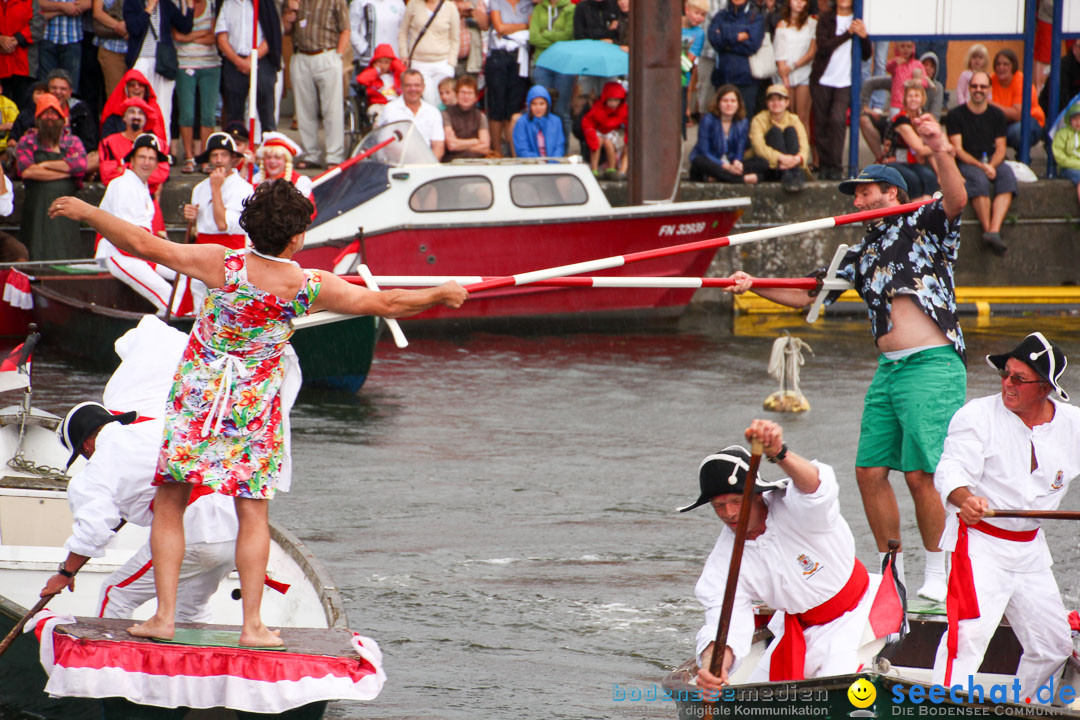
(794, 47)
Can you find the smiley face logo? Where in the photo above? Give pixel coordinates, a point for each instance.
(862, 693)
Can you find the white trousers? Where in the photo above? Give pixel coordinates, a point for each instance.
(1032, 604)
(434, 73)
(833, 648)
(205, 565)
(154, 284)
(318, 84)
(162, 88)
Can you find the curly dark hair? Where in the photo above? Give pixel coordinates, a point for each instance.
(274, 214)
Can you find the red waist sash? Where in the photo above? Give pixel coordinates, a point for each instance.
(789, 657)
(962, 602)
(234, 242)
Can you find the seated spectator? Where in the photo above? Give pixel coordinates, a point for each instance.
(977, 133)
(128, 198)
(199, 78)
(1008, 94)
(905, 150)
(736, 33)
(977, 58)
(552, 21)
(1066, 147)
(464, 125)
(605, 131)
(830, 82)
(9, 111)
(116, 146)
(80, 120)
(538, 132)
(381, 78)
(411, 106)
(935, 91)
(25, 119)
(447, 93)
(506, 70)
(1068, 79)
(722, 140)
(902, 68)
(132, 84)
(430, 44)
(778, 137)
(51, 162)
(276, 156)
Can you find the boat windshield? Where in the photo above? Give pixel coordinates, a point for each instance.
(408, 148)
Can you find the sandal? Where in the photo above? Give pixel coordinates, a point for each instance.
(189, 166)
(205, 169)
(307, 165)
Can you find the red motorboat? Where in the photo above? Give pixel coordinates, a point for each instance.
(402, 213)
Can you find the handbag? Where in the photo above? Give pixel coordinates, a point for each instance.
(166, 64)
(763, 62)
(105, 32)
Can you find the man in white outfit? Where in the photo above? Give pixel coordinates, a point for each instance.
(217, 201)
(113, 488)
(1018, 450)
(799, 558)
(128, 197)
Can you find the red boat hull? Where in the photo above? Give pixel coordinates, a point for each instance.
(13, 321)
(508, 249)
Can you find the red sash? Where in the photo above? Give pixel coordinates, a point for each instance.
(234, 242)
(962, 602)
(789, 657)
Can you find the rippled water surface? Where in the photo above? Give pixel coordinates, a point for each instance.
(498, 509)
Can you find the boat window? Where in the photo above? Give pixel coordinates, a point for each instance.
(470, 192)
(547, 190)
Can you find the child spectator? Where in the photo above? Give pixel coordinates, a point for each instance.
(465, 127)
(722, 140)
(447, 93)
(778, 137)
(538, 133)
(904, 67)
(978, 59)
(605, 131)
(552, 21)
(935, 91)
(382, 77)
(1067, 147)
(693, 41)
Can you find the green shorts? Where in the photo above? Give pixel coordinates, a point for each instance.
(908, 408)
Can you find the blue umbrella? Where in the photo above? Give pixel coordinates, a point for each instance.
(586, 57)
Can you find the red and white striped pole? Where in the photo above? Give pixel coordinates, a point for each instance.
(253, 81)
(739, 239)
(590, 281)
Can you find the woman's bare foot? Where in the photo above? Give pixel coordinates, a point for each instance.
(261, 637)
(155, 627)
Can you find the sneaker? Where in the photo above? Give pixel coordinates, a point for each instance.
(993, 241)
(792, 181)
(934, 588)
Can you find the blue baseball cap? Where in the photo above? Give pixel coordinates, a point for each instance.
(874, 174)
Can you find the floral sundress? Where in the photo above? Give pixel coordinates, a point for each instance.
(223, 423)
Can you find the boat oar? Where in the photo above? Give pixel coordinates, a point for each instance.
(729, 240)
(333, 173)
(395, 328)
(1035, 514)
(47, 263)
(10, 638)
(741, 529)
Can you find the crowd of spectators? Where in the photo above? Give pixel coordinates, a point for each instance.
(466, 72)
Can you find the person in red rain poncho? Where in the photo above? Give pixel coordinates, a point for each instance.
(604, 127)
(132, 84)
(382, 77)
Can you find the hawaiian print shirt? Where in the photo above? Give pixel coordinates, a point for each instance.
(908, 255)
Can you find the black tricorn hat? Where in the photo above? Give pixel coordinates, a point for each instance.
(1041, 355)
(217, 141)
(725, 472)
(145, 140)
(81, 422)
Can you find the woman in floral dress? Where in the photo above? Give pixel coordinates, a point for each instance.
(224, 428)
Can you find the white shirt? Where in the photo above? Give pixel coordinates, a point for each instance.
(386, 16)
(804, 557)
(7, 197)
(128, 198)
(235, 20)
(303, 183)
(428, 119)
(234, 191)
(838, 72)
(988, 449)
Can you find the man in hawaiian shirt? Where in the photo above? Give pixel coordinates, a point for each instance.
(902, 269)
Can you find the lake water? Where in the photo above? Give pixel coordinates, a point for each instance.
(498, 509)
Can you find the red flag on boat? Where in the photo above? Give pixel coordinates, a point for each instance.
(887, 610)
(17, 290)
(15, 368)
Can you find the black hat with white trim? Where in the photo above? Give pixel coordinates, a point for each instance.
(81, 422)
(725, 472)
(1041, 355)
(218, 141)
(147, 140)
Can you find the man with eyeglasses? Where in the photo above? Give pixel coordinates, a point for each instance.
(903, 270)
(1017, 449)
(977, 132)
